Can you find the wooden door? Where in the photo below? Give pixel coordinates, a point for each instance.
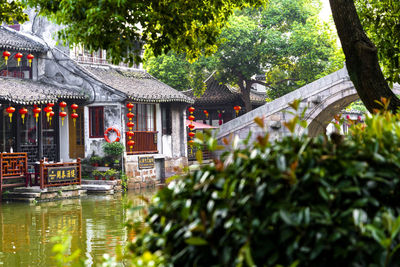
(76, 135)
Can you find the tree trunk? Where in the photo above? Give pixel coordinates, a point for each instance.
(245, 87)
(361, 57)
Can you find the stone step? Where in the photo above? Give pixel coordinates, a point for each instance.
(100, 192)
(95, 187)
(33, 189)
(100, 182)
(26, 200)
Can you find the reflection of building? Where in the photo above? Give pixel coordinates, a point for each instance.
(100, 90)
(219, 99)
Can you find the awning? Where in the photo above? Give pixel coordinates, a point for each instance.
(200, 126)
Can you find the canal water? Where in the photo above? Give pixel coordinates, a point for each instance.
(95, 223)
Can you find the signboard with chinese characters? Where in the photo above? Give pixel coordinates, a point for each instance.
(146, 162)
(62, 174)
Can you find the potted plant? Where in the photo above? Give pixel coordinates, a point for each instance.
(95, 160)
(111, 173)
(97, 174)
(113, 150)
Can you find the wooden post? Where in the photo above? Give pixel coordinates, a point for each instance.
(40, 136)
(41, 174)
(78, 161)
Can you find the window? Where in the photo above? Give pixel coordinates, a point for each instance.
(145, 117)
(166, 119)
(96, 122)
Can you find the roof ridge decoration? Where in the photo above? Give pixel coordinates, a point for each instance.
(14, 40)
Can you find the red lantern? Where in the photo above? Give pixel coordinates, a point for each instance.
(62, 114)
(48, 109)
(191, 142)
(23, 112)
(237, 109)
(359, 118)
(131, 143)
(130, 115)
(36, 112)
(130, 133)
(220, 122)
(6, 55)
(74, 107)
(74, 116)
(18, 56)
(191, 110)
(191, 118)
(30, 57)
(206, 113)
(129, 106)
(130, 124)
(219, 115)
(191, 134)
(10, 111)
(50, 105)
(191, 126)
(62, 105)
(51, 114)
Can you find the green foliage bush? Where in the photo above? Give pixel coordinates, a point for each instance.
(113, 150)
(300, 201)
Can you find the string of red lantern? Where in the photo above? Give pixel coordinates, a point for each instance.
(191, 126)
(130, 125)
(62, 113)
(74, 115)
(18, 56)
(219, 118)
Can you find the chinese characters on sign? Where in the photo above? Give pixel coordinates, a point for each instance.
(62, 174)
(146, 163)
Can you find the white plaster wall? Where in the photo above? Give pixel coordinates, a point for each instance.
(160, 140)
(167, 145)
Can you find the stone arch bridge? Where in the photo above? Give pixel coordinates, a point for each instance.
(323, 99)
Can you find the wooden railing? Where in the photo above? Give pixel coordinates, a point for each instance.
(145, 142)
(60, 174)
(14, 168)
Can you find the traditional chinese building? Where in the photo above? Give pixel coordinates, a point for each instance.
(96, 93)
(216, 105)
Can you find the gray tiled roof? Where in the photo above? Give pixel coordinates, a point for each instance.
(27, 92)
(13, 40)
(217, 93)
(137, 85)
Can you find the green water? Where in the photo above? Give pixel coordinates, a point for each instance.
(94, 222)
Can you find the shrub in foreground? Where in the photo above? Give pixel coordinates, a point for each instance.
(296, 202)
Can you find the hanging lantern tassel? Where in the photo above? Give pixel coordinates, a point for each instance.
(30, 57)
(74, 116)
(36, 111)
(10, 111)
(63, 114)
(18, 56)
(6, 55)
(51, 114)
(23, 112)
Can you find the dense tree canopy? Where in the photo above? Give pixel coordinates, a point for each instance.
(11, 11)
(285, 41)
(122, 27)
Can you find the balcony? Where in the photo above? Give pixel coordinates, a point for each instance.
(145, 142)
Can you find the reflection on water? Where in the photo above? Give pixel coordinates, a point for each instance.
(96, 224)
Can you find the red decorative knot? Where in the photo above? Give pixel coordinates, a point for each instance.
(23, 112)
(191, 134)
(50, 105)
(130, 133)
(191, 126)
(129, 106)
(191, 110)
(10, 111)
(191, 118)
(74, 107)
(30, 57)
(131, 143)
(130, 124)
(130, 115)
